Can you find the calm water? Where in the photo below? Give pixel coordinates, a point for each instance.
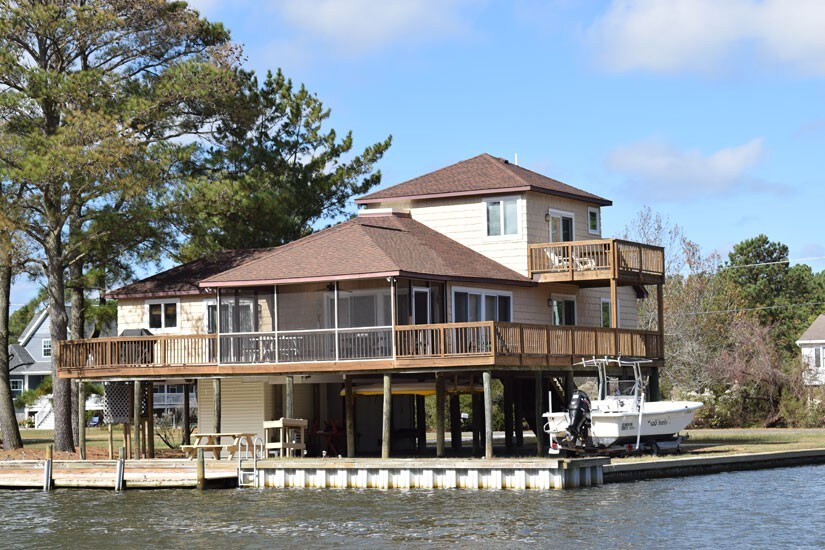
(744, 509)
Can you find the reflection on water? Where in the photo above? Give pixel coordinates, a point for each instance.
(777, 508)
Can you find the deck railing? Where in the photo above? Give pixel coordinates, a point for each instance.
(597, 258)
(492, 339)
(487, 339)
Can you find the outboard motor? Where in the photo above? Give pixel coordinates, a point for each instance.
(579, 414)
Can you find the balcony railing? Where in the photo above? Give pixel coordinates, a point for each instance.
(476, 343)
(597, 259)
(497, 339)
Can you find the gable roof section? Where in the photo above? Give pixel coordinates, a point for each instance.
(183, 279)
(815, 332)
(33, 326)
(484, 174)
(372, 245)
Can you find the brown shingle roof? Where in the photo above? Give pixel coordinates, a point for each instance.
(815, 332)
(483, 174)
(377, 245)
(183, 279)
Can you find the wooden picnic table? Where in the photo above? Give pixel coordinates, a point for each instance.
(210, 442)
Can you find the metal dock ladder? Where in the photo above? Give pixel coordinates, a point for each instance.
(248, 477)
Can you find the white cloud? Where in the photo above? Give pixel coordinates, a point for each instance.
(204, 7)
(708, 35)
(658, 171)
(359, 26)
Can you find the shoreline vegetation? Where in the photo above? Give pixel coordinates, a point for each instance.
(701, 442)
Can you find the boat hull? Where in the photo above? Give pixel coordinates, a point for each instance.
(615, 425)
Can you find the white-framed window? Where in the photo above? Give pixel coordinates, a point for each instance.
(563, 309)
(562, 226)
(502, 216)
(162, 315)
(16, 386)
(479, 304)
(594, 221)
(606, 313)
(46, 349)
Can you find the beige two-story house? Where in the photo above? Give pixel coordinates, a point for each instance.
(479, 271)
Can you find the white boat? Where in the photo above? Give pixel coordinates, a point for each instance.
(620, 416)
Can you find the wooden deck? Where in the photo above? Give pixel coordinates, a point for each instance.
(596, 262)
(486, 344)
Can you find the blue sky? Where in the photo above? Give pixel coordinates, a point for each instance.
(710, 112)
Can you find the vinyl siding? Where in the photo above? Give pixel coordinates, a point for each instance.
(242, 405)
(134, 314)
(464, 219)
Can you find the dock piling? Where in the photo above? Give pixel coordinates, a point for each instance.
(488, 414)
(119, 469)
(47, 468)
(201, 468)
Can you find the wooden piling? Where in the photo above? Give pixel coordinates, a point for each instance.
(488, 414)
(216, 392)
(421, 423)
(349, 404)
(439, 416)
(127, 440)
(136, 420)
(47, 468)
(569, 388)
(81, 419)
(455, 422)
(518, 420)
(186, 419)
(201, 470)
(476, 421)
(289, 401)
(110, 429)
(508, 411)
(539, 387)
(387, 417)
(120, 469)
(150, 420)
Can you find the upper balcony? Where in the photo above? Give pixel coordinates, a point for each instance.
(596, 262)
(483, 344)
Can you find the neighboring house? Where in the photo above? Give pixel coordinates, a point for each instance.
(812, 345)
(480, 267)
(30, 363)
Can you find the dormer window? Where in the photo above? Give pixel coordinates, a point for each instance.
(502, 217)
(47, 347)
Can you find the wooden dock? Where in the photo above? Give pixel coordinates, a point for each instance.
(102, 474)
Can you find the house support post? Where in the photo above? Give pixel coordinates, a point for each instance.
(539, 386)
(289, 401)
(150, 420)
(439, 416)
(386, 424)
(109, 427)
(349, 405)
(653, 382)
(455, 421)
(507, 380)
(476, 419)
(81, 419)
(421, 423)
(136, 420)
(216, 393)
(488, 414)
(614, 315)
(519, 414)
(569, 387)
(186, 407)
(660, 306)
